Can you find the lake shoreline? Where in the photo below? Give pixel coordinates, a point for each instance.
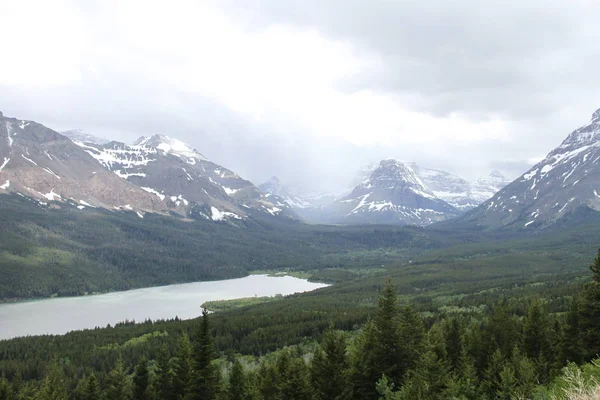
(60, 315)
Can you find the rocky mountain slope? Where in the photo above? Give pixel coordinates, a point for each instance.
(568, 178)
(392, 194)
(78, 135)
(46, 166)
(457, 191)
(157, 174)
(182, 177)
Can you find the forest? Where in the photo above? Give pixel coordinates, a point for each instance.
(496, 337)
(413, 314)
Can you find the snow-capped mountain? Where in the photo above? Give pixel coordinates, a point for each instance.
(182, 177)
(457, 191)
(568, 178)
(159, 174)
(274, 187)
(45, 166)
(392, 194)
(78, 135)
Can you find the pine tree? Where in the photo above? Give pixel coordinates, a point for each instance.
(589, 317)
(428, 380)
(463, 383)
(181, 368)
(269, 381)
(508, 384)
(117, 383)
(536, 339)
(4, 389)
(163, 376)
(237, 382)
(54, 386)
(141, 380)
(204, 377)
(454, 343)
(492, 382)
(330, 367)
(412, 338)
(91, 390)
(571, 346)
(294, 378)
(378, 351)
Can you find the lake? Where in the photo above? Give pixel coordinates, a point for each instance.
(61, 315)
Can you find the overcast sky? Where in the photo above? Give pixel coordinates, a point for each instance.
(311, 90)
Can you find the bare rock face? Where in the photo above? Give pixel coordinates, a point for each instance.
(45, 165)
(158, 174)
(568, 178)
(183, 178)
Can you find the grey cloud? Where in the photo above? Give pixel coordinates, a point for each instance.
(511, 58)
(532, 64)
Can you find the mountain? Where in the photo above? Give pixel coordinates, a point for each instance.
(183, 178)
(457, 191)
(43, 165)
(567, 179)
(275, 188)
(159, 175)
(77, 135)
(392, 194)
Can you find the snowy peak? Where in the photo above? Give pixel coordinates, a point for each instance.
(274, 186)
(588, 134)
(568, 178)
(171, 146)
(392, 194)
(393, 174)
(78, 135)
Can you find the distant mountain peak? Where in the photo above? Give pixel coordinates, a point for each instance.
(596, 115)
(79, 135)
(497, 175)
(170, 146)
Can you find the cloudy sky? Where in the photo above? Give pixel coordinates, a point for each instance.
(311, 90)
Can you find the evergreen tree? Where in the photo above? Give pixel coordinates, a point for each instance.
(412, 338)
(141, 380)
(163, 376)
(428, 380)
(181, 367)
(536, 339)
(463, 383)
(525, 374)
(454, 343)
(571, 346)
(269, 381)
(294, 378)
(589, 318)
(330, 367)
(378, 351)
(508, 384)
(54, 386)
(492, 382)
(237, 382)
(117, 383)
(91, 389)
(4, 389)
(204, 377)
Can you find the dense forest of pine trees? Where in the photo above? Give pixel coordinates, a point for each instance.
(395, 355)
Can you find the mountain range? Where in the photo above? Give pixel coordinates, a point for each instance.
(160, 174)
(157, 174)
